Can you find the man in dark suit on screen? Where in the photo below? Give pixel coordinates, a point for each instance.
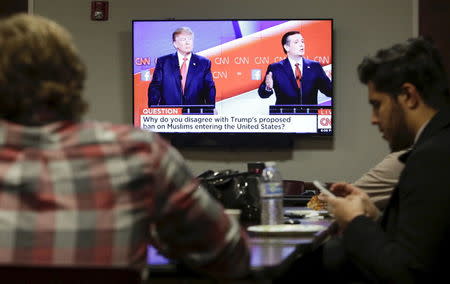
(295, 80)
(182, 78)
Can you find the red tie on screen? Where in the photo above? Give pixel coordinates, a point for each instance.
(183, 71)
(298, 75)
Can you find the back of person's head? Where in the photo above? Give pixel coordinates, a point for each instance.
(415, 61)
(41, 72)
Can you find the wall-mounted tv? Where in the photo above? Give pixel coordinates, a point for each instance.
(233, 80)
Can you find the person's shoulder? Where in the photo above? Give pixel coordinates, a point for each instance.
(167, 57)
(436, 134)
(438, 142)
(433, 152)
(112, 132)
(311, 62)
(279, 64)
(390, 165)
(200, 58)
(394, 155)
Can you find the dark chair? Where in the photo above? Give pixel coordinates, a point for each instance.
(298, 193)
(12, 274)
(293, 187)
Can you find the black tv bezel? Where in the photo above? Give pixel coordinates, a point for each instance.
(241, 140)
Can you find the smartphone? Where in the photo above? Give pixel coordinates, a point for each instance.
(322, 188)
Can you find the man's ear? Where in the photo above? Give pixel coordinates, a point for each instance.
(410, 96)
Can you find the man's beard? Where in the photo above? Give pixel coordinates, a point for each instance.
(401, 136)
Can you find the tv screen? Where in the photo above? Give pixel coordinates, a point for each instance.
(233, 77)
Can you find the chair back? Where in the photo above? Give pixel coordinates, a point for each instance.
(68, 275)
(297, 192)
(293, 187)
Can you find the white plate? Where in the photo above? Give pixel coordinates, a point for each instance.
(307, 212)
(282, 229)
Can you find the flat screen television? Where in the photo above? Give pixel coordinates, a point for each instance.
(225, 97)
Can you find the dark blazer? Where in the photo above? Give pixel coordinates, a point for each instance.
(412, 242)
(285, 86)
(165, 88)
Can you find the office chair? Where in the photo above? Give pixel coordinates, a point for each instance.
(298, 193)
(12, 274)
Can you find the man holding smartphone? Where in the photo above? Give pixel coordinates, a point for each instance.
(409, 95)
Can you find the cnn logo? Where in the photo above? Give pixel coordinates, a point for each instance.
(324, 121)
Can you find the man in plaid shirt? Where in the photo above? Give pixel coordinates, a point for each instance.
(91, 193)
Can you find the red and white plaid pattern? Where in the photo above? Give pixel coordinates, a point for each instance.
(88, 194)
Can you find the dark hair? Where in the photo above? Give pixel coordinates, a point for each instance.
(284, 39)
(415, 61)
(41, 73)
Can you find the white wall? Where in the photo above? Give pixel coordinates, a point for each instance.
(360, 28)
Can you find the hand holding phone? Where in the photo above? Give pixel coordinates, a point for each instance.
(322, 188)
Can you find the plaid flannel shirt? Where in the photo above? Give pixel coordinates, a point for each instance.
(97, 194)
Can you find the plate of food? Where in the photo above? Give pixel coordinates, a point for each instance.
(316, 204)
(286, 230)
(305, 213)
